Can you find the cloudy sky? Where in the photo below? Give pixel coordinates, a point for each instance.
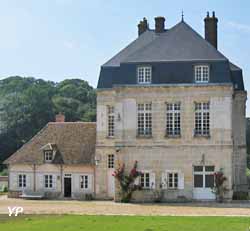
(58, 39)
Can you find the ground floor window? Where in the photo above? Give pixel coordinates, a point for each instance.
(48, 181)
(22, 181)
(145, 180)
(173, 180)
(84, 182)
(203, 176)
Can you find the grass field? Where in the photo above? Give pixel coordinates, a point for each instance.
(122, 223)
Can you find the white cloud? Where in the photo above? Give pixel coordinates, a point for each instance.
(239, 26)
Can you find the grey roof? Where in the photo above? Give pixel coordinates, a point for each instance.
(180, 43)
(73, 143)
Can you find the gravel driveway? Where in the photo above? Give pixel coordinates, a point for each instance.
(111, 208)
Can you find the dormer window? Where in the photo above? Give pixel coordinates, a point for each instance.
(48, 156)
(144, 74)
(202, 74)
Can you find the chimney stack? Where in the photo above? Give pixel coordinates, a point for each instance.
(142, 26)
(60, 118)
(211, 29)
(159, 24)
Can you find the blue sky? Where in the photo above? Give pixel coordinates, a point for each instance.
(58, 39)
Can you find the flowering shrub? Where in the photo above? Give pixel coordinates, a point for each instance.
(219, 188)
(127, 182)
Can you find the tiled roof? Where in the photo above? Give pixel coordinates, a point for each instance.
(74, 141)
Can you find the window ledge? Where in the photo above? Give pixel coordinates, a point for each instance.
(110, 137)
(172, 136)
(202, 136)
(144, 136)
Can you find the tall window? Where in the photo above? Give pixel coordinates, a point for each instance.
(84, 182)
(203, 176)
(144, 74)
(48, 181)
(173, 180)
(111, 161)
(48, 155)
(202, 119)
(144, 117)
(111, 121)
(201, 74)
(22, 181)
(145, 180)
(173, 125)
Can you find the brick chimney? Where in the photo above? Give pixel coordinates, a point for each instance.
(60, 118)
(211, 29)
(159, 24)
(142, 26)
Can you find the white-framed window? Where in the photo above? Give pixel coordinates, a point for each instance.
(204, 176)
(201, 73)
(48, 181)
(111, 161)
(48, 155)
(202, 119)
(173, 117)
(22, 181)
(145, 180)
(84, 181)
(144, 119)
(111, 121)
(144, 74)
(173, 178)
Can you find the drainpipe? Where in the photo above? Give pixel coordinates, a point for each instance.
(34, 178)
(61, 170)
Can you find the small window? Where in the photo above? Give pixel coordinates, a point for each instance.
(173, 180)
(111, 161)
(22, 181)
(202, 74)
(144, 74)
(111, 121)
(48, 155)
(48, 181)
(145, 180)
(84, 182)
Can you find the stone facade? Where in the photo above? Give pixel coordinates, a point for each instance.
(224, 149)
(35, 179)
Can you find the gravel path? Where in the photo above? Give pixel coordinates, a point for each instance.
(111, 208)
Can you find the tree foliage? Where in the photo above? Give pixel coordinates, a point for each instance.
(27, 104)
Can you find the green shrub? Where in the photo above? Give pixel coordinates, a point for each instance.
(240, 196)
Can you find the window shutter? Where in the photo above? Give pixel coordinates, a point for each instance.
(90, 180)
(137, 181)
(54, 179)
(13, 181)
(28, 181)
(164, 180)
(152, 180)
(180, 180)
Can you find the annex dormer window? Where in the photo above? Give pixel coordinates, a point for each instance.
(48, 155)
(144, 74)
(201, 74)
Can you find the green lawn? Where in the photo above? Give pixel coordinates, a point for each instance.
(121, 223)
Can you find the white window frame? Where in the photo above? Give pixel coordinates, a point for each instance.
(202, 73)
(111, 161)
(202, 119)
(48, 156)
(203, 173)
(144, 119)
(84, 182)
(173, 119)
(144, 74)
(111, 121)
(48, 181)
(22, 180)
(172, 184)
(143, 180)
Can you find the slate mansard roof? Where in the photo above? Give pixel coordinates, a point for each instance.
(73, 143)
(172, 55)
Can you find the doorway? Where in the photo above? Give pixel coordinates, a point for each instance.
(67, 186)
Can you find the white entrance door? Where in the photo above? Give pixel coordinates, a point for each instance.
(203, 183)
(111, 179)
